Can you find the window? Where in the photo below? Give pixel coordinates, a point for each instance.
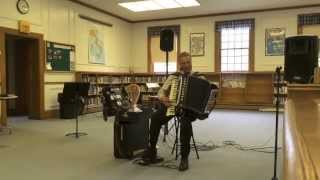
(160, 67)
(156, 57)
(234, 46)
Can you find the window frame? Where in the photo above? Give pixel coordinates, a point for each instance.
(217, 50)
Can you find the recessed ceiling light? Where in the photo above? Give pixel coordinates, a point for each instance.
(149, 5)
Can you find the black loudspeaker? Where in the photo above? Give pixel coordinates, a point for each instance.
(166, 40)
(301, 57)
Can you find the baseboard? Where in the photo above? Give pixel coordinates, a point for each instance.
(242, 106)
(273, 109)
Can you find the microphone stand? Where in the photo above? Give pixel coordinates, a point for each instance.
(278, 69)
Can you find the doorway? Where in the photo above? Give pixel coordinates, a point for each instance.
(20, 55)
(22, 73)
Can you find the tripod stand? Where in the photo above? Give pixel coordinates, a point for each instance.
(177, 119)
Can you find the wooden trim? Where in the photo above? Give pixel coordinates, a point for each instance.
(53, 83)
(38, 106)
(95, 20)
(3, 117)
(60, 72)
(63, 44)
(51, 114)
(231, 13)
(150, 67)
(178, 49)
(103, 73)
(217, 44)
(42, 61)
(251, 50)
(242, 106)
(101, 10)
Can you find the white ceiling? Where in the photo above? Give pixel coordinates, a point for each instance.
(206, 7)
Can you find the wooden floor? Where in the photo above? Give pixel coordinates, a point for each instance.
(302, 134)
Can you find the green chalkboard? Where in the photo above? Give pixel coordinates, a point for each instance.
(60, 57)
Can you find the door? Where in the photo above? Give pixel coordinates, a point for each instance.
(21, 53)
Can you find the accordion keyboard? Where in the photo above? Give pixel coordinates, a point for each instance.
(173, 97)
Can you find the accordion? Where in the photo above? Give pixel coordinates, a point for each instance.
(190, 93)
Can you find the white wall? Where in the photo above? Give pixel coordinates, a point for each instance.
(58, 21)
(272, 19)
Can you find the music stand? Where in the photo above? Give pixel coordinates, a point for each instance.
(76, 90)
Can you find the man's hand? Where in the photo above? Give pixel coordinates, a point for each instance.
(165, 101)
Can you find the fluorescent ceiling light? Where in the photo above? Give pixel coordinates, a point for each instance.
(133, 6)
(188, 3)
(149, 5)
(167, 4)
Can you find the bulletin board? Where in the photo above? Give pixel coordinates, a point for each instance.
(60, 57)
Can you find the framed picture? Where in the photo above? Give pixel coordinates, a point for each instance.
(197, 44)
(275, 41)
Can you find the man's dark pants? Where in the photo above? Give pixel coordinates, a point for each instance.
(159, 118)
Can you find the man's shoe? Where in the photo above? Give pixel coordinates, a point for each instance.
(150, 157)
(184, 164)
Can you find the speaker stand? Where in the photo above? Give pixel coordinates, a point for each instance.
(166, 130)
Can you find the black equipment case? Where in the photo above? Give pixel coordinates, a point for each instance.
(131, 133)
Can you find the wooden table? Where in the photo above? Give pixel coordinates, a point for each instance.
(7, 97)
(302, 133)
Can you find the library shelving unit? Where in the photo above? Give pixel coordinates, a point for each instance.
(114, 80)
(245, 90)
(237, 90)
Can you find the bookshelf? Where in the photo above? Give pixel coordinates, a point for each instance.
(250, 90)
(115, 80)
(246, 90)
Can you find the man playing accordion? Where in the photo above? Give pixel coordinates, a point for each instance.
(161, 117)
